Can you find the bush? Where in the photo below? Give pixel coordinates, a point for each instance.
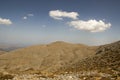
(6, 76)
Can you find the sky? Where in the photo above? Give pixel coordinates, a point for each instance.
(29, 22)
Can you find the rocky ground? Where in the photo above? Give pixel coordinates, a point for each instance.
(86, 75)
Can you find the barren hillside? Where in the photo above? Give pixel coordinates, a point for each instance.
(2, 52)
(45, 58)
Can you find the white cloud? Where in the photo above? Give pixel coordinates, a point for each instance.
(30, 15)
(5, 21)
(25, 17)
(90, 25)
(43, 26)
(59, 15)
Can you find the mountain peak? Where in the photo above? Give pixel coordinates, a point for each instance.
(60, 42)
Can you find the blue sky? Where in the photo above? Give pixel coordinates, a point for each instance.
(29, 21)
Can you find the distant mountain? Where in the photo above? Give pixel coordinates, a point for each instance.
(45, 58)
(9, 47)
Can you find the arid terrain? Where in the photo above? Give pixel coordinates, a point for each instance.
(62, 61)
(2, 52)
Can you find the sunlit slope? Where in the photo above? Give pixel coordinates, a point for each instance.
(47, 58)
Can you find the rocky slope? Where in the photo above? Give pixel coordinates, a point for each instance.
(106, 60)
